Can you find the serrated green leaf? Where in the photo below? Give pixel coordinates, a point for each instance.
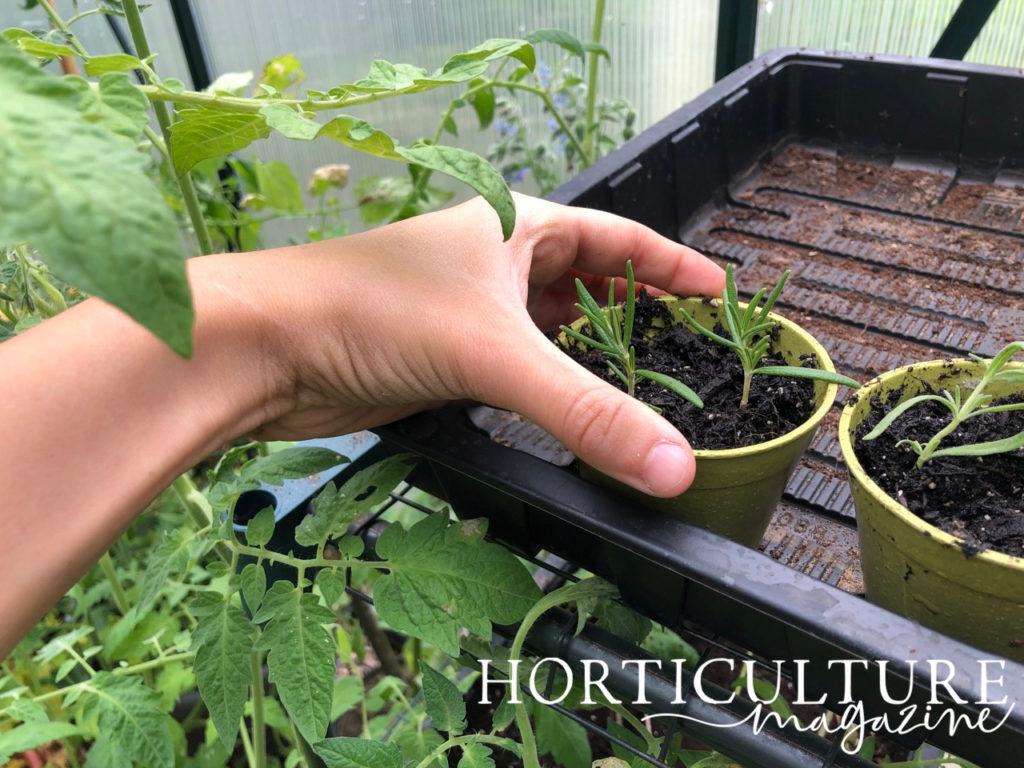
(282, 72)
(63, 186)
(26, 711)
(44, 49)
(563, 739)
(380, 197)
(592, 47)
(346, 752)
(476, 755)
(329, 510)
(470, 169)
(335, 508)
(253, 583)
(278, 186)
(667, 645)
(301, 656)
(483, 102)
(498, 48)
(445, 705)
(8, 270)
(440, 580)
(331, 585)
(372, 486)
(559, 37)
(360, 135)
(106, 753)
(61, 643)
(504, 713)
(290, 464)
(115, 62)
(289, 122)
(260, 529)
(29, 735)
(200, 134)
(385, 76)
(621, 755)
(621, 620)
(115, 102)
(223, 642)
(348, 694)
(129, 717)
(169, 557)
(416, 744)
(231, 83)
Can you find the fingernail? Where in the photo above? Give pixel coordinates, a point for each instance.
(666, 466)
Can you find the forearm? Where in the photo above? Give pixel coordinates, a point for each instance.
(99, 417)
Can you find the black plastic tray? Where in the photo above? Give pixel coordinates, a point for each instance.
(894, 191)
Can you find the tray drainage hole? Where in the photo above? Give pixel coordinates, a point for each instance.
(249, 503)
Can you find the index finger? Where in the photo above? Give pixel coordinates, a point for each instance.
(602, 243)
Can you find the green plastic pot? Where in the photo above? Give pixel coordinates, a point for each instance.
(914, 568)
(735, 491)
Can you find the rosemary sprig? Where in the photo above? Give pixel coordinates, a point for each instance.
(962, 409)
(613, 339)
(751, 336)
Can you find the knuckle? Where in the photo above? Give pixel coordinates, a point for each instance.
(591, 418)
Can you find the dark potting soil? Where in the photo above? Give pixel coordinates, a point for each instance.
(777, 405)
(980, 500)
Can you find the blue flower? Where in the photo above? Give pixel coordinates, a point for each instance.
(505, 128)
(544, 74)
(518, 176)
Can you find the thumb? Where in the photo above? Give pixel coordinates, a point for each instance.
(602, 425)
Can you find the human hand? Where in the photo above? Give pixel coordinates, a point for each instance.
(438, 308)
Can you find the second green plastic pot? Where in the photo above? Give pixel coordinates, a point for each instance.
(915, 569)
(736, 490)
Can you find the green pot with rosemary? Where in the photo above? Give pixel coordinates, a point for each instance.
(935, 452)
(746, 386)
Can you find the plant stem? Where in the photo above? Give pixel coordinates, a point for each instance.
(60, 24)
(199, 511)
(458, 741)
(159, 94)
(378, 639)
(259, 731)
(250, 756)
(130, 670)
(163, 119)
(546, 98)
(307, 757)
(593, 60)
(748, 376)
(110, 572)
(83, 14)
(158, 143)
(312, 562)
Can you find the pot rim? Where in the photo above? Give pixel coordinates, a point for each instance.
(812, 421)
(888, 503)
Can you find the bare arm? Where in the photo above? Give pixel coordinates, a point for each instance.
(99, 416)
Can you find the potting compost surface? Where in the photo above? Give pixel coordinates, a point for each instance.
(891, 262)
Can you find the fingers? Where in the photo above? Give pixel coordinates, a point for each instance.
(603, 242)
(605, 427)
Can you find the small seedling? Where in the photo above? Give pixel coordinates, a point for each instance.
(751, 332)
(976, 404)
(613, 339)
